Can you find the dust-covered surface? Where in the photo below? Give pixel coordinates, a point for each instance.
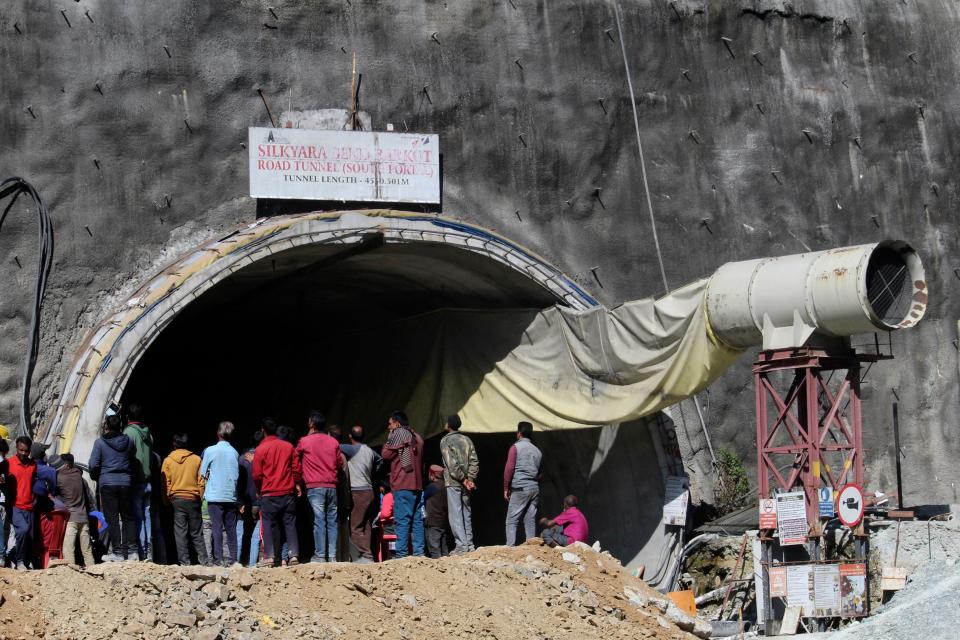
(527, 592)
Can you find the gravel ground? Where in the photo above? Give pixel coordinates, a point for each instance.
(529, 592)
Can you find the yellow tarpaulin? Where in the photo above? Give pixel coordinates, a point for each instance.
(558, 368)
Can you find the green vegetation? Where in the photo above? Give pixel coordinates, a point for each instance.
(733, 487)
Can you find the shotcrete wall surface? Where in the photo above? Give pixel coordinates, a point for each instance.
(769, 128)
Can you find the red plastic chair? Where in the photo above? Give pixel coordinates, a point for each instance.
(54, 549)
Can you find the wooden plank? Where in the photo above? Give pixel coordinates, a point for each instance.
(791, 618)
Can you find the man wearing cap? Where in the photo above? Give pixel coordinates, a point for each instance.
(435, 518)
(461, 467)
(23, 472)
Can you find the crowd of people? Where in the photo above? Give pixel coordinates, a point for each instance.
(233, 506)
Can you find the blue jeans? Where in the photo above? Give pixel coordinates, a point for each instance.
(223, 516)
(140, 494)
(23, 525)
(323, 501)
(408, 515)
(250, 526)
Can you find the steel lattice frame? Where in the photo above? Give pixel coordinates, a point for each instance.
(809, 424)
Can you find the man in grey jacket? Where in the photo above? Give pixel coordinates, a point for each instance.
(521, 484)
(460, 469)
(362, 463)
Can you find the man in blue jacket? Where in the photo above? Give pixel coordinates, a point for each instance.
(111, 465)
(221, 469)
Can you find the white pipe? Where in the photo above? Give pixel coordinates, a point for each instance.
(781, 302)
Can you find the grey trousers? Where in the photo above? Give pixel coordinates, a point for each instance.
(436, 542)
(523, 504)
(459, 514)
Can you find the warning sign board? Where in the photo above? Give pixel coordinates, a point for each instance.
(826, 590)
(826, 502)
(768, 513)
(792, 518)
(850, 505)
(778, 582)
(676, 497)
(853, 590)
(800, 587)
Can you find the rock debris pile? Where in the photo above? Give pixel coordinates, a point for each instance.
(527, 592)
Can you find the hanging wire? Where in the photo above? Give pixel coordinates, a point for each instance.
(14, 188)
(643, 164)
(653, 221)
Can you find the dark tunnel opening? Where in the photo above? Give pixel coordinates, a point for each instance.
(330, 328)
(352, 331)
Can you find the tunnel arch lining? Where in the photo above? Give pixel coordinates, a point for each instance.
(112, 350)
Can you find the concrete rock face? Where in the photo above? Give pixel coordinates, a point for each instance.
(815, 125)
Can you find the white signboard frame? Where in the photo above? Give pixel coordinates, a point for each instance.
(792, 523)
(360, 166)
(675, 500)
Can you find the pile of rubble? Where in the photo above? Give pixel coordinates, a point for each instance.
(530, 592)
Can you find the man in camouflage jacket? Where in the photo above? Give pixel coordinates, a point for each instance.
(461, 467)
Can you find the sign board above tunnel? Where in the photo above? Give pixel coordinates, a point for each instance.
(355, 166)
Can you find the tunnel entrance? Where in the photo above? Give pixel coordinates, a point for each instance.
(347, 330)
(352, 313)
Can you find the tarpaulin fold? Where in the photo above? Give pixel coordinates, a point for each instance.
(557, 367)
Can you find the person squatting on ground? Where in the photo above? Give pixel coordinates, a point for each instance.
(568, 527)
(220, 469)
(435, 514)
(112, 465)
(521, 484)
(21, 475)
(141, 489)
(276, 472)
(461, 468)
(183, 489)
(404, 451)
(73, 490)
(323, 466)
(362, 463)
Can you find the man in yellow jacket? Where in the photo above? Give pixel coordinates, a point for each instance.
(183, 489)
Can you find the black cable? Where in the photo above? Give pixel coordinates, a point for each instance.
(15, 187)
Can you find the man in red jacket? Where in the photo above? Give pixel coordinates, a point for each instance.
(22, 473)
(276, 473)
(323, 467)
(404, 451)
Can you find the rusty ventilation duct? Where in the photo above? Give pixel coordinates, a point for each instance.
(804, 298)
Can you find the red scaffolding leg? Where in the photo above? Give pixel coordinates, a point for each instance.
(809, 431)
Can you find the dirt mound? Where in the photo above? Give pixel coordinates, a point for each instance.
(527, 592)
